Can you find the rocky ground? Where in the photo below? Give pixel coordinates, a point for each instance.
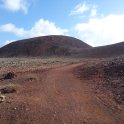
(62, 91)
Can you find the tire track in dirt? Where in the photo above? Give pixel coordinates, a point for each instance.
(56, 97)
(72, 100)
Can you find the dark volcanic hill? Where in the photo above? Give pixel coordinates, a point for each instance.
(103, 51)
(59, 45)
(43, 46)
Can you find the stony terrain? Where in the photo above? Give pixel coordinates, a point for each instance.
(62, 91)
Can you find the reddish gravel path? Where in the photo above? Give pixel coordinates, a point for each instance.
(55, 96)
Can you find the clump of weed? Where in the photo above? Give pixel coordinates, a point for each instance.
(10, 88)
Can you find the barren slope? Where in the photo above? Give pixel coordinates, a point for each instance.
(103, 51)
(54, 45)
(58, 45)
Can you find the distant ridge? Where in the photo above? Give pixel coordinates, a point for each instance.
(59, 45)
(103, 51)
(53, 45)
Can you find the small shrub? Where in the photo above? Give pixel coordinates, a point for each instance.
(8, 89)
(9, 75)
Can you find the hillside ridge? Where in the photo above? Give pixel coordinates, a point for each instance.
(43, 46)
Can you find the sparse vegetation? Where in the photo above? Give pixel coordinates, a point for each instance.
(9, 88)
(25, 64)
(9, 75)
(107, 75)
(57, 87)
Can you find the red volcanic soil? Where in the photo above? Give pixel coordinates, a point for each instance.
(54, 45)
(84, 93)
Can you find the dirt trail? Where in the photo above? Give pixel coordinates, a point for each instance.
(57, 97)
(73, 101)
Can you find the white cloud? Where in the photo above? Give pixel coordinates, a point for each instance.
(16, 5)
(11, 28)
(93, 11)
(45, 27)
(80, 9)
(41, 27)
(102, 31)
(84, 8)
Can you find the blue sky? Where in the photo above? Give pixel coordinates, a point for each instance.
(96, 22)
